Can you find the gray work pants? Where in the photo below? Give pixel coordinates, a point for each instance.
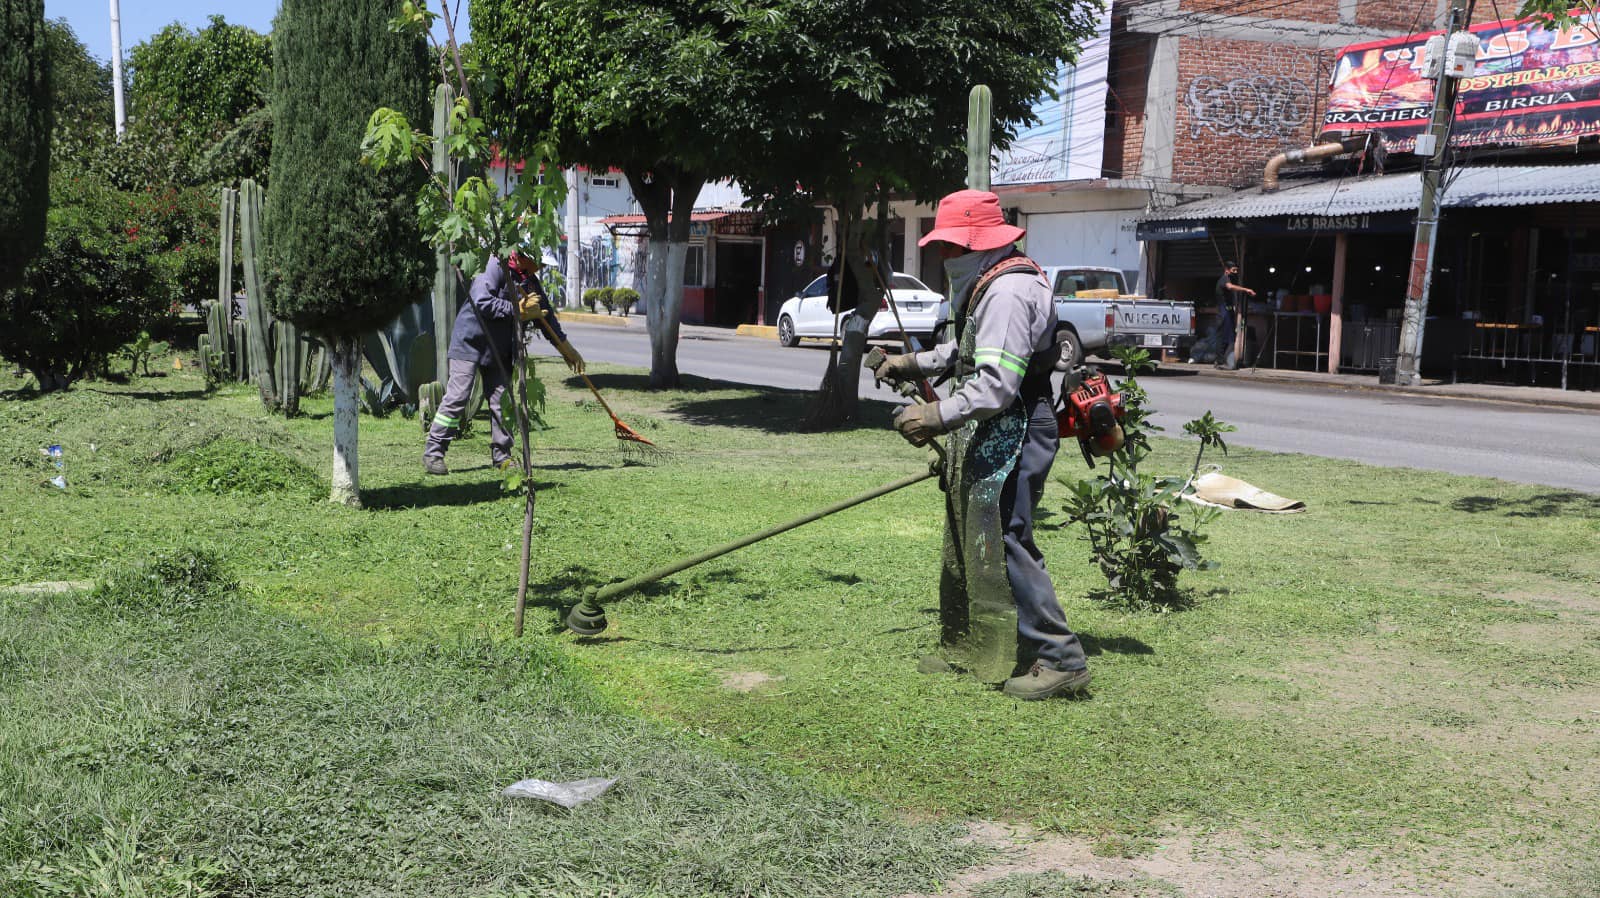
(447, 420)
(1041, 624)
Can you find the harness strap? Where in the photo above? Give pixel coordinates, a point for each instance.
(1036, 370)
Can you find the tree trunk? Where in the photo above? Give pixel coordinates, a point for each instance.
(664, 368)
(346, 355)
(839, 398)
(667, 199)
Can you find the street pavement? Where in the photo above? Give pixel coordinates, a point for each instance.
(1558, 447)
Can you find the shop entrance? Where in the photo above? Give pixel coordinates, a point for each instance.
(738, 284)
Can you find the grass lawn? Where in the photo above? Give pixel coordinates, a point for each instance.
(1401, 686)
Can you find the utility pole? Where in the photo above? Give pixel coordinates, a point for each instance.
(121, 111)
(1443, 66)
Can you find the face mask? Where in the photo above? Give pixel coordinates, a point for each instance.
(961, 273)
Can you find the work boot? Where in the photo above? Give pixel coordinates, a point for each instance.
(433, 464)
(1043, 681)
(507, 464)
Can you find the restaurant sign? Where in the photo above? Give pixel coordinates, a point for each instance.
(1533, 87)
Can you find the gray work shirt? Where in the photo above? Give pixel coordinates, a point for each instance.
(1014, 320)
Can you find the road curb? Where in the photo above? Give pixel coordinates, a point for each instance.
(757, 330)
(590, 318)
(1438, 390)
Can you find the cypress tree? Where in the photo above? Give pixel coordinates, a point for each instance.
(344, 250)
(25, 121)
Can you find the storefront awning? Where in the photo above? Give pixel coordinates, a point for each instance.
(701, 222)
(1333, 198)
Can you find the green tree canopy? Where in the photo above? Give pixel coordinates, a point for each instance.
(200, 83)
(25, 122)
(80, 85)
(199, 102)
(647, 88)
(345, 253)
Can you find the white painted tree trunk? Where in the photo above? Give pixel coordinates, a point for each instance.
(346, 355)
(664, 352)
(659, 322)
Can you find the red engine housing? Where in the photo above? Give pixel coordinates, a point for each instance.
(1092, 412)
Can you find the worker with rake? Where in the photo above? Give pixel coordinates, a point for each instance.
(998, 609)
(481, 344)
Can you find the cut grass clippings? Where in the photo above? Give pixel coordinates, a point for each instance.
(1403, 676)
(164, 738)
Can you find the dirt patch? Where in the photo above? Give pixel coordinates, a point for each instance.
(1557, 597)
(1542, 636)
(1213, 866)
(747, 680)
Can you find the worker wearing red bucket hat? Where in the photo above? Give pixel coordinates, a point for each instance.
(999, 612)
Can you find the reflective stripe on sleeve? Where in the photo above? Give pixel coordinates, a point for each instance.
(1002, 358)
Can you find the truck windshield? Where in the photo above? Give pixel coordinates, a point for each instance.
(1071, 283)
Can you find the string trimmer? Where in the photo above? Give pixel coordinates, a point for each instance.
(588, 617)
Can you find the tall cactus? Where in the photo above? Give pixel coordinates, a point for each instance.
(217, 331)
(257, 317)
(230, 199)
(239, 339)
(287, 370)
(444, 277)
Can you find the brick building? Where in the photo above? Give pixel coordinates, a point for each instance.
(1175, 100)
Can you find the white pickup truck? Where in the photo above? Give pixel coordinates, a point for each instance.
(1097, 314)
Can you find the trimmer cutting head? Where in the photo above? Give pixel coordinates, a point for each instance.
(587, 618)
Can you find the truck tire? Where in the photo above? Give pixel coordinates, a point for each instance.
(1071, 350)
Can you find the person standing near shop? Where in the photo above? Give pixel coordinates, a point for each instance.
(481, 343)
(1000, 614)
(1233, 319)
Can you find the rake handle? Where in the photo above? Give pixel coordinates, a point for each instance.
(550, 333)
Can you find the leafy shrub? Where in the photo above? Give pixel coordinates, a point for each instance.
(228, 466)
(607, 297)
(183, 580)
(625, 298)
(1138, 537)
(591, 297)
(90, 290)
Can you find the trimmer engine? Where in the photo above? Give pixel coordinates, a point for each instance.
(1091, 411)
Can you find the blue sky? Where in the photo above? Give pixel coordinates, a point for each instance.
(91, 19)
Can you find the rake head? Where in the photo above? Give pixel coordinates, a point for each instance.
(635, 447)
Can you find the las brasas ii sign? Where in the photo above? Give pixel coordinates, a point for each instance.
(1534, 87)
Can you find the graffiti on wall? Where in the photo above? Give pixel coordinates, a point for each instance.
(1257, 107)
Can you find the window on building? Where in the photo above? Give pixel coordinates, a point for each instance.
(694, 267)
(605, 181)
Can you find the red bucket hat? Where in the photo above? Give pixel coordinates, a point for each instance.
(972, 219)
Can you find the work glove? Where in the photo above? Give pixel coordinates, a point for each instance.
(895, 369)
(570, 356)
(530, 308)
(919, 423)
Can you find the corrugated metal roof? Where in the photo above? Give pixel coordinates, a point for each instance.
(1472, 187)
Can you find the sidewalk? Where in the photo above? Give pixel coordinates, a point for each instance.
(1547, 397)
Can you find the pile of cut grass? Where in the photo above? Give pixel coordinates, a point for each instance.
(152, 746)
